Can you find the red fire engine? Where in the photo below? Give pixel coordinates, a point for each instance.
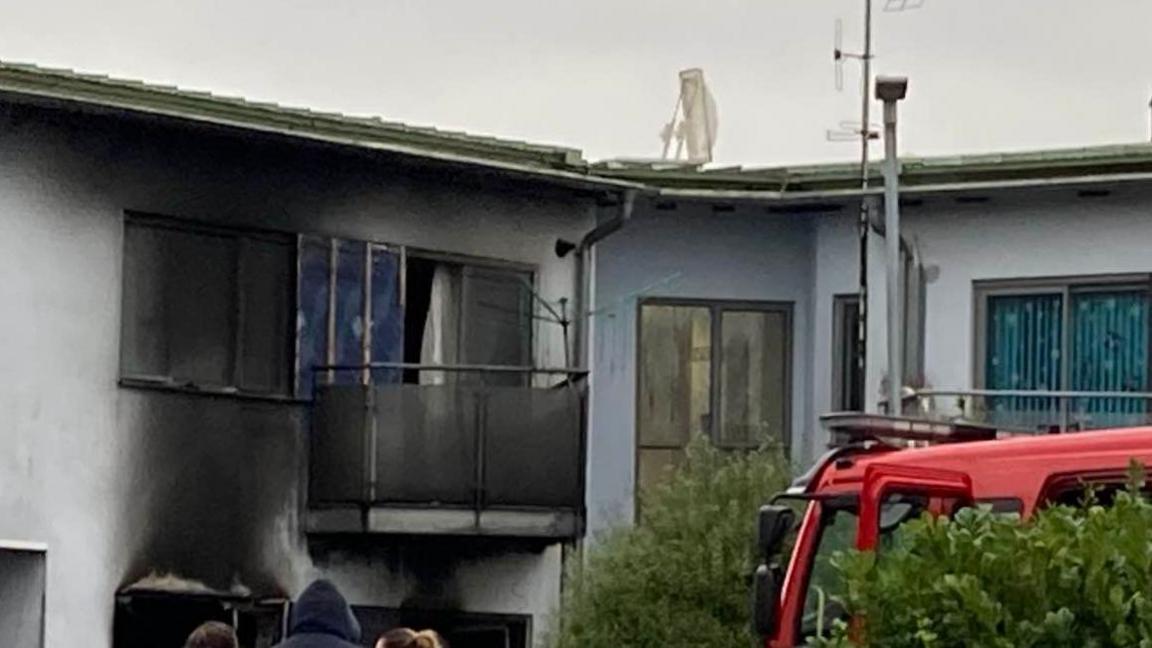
(876, 478)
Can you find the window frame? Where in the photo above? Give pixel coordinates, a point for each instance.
(241, 235)
(1065, 286)
(38, 552)
(404, 253)
(481, 264)
(840, 362)
(291, 238)
(716, 309)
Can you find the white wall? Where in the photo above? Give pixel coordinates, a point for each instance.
(1038, 234)
(99, 473)
(1022, 234)
(691, 252)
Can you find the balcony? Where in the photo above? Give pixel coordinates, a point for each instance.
(486, 451)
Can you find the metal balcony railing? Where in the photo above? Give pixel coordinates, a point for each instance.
(1035, 410)
(476, 450)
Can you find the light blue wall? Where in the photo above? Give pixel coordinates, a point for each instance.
(689, 252)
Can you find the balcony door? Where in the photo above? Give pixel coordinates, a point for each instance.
(711, 368)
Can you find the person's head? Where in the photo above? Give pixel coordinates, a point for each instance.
(212, 634)
(409, 638)
(321, 609)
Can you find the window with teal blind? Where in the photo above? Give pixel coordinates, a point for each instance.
(1072, 338)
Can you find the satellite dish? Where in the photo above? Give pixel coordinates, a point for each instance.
(694, 121)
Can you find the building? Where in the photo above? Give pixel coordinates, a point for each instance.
(248, 345)
(176, 267)
(1023, 271)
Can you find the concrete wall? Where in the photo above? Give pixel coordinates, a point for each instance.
(691, 252)
(120, 481)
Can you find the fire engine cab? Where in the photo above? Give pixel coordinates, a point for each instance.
(884, 471)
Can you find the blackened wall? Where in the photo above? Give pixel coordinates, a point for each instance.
(121, 481)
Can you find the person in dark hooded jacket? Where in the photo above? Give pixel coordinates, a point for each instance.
(322, 618)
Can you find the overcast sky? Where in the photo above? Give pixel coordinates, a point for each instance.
(601, 75)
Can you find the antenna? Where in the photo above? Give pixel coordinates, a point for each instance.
(697, 125)
(865, 132)
(851, 131)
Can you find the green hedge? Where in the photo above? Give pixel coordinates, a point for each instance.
(1069, 577)
(680, 577)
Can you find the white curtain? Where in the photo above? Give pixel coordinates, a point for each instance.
(441, 328)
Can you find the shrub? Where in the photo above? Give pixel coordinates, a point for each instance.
(1069, 577)
(679, 577)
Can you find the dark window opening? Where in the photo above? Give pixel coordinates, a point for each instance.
(1097, 488)
(418, 293)
(1003, 505)
(206, 308)
(848, 368)
(164, 620)
(22, 590)
(459, 629)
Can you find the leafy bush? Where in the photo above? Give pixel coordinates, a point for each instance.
(1069, 577)
(680, 577)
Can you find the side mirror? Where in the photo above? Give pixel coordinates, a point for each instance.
(773, 524)
(765, 597)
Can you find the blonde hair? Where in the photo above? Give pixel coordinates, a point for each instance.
(212, 634)
(409, 638)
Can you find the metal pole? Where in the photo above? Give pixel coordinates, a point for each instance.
(891, 91)
(862, 218)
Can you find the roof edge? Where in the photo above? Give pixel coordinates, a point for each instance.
(559, 163)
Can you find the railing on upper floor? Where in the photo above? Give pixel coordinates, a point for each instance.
(447, 449)
(1034, 410)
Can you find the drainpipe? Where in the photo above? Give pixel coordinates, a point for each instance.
(891, 90)
(583, 283)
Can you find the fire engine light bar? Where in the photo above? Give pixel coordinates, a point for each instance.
(855, 427)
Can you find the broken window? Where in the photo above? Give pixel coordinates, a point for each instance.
(466, 314)
(211, 308)
(465, 629)
(350, 313)
(717, 369)
(164, 619)
(206, 307)
(454, 312)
